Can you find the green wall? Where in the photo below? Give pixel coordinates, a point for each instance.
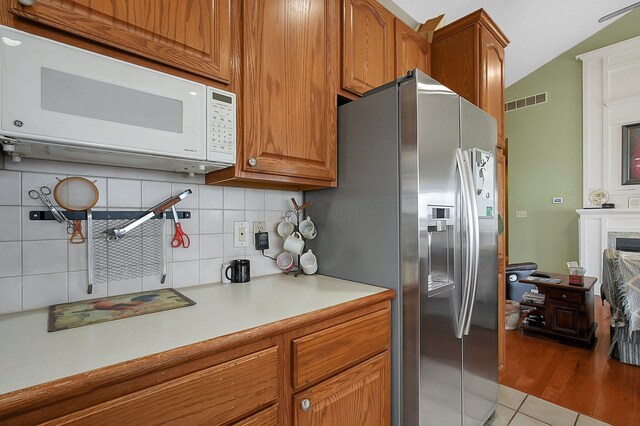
(545, 154)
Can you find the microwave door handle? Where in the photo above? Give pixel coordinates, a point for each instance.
(466, 276)
(474, 246)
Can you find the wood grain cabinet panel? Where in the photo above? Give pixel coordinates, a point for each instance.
(412, 50)
(320, 354)
(266, 417)
(367, 46)
(213, 396)
(357, 397)
(492, 79)
(191, 35)
(289, 111)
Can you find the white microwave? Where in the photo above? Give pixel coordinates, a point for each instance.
(64, 103)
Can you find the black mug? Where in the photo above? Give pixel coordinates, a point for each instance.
(238, 271)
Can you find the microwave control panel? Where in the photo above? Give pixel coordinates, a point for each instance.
(221, 126)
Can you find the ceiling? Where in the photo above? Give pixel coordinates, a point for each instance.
(538, 30)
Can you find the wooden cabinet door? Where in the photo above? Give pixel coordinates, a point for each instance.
(492, 79)
(289, 89)
(191, 35)
(359, 396)
(412, 50)
(367, 46)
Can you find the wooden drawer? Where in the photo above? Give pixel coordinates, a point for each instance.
(321, 354)
(214, 395)
(564, 295)
(266, 417)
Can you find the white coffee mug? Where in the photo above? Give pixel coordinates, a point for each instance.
(294, 243)
(285, 228)
(285, 261)
(309, 263)
(308, 229)
(223, 276)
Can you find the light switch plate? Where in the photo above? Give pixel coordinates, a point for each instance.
(521, 213)
(241, 234)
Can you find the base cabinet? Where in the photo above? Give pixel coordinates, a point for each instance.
(342, 370)
(354, 397)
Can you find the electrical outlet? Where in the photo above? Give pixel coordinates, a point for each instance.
(521, 213)
(241, 234)
(259, 226)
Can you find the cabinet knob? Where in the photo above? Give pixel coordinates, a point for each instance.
(305, 404)
(564, 296)
(27, 2)
(253, 162)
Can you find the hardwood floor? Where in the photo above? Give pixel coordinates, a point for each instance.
(582, 380)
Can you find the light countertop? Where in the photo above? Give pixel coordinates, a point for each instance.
(29, 355)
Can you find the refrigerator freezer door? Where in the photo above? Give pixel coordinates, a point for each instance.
(480, 346)
(439, 353)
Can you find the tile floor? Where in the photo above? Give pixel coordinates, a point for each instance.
(516, 408)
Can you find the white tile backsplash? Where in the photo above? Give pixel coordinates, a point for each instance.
(186, 274)
(44, 290)
(10, 259)
(273, 200)
(11, 291)
(124, 193)
(10, 188)
(211, 221)
(43, 229)
(10, 223)
(37, 181)
(233, 198)
(191, 202)
(231, 216)
(210, 270)
(182, 254)
(230, 250)
(78, 283)
(38, 266)
(254, 199)
(154, 193)
(210, 197)
(211, 246)
(44, 257)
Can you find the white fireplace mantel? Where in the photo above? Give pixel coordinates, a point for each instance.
(595, 226)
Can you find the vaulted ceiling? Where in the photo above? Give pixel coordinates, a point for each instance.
(539, 30)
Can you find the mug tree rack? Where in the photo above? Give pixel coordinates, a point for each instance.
(297, 212)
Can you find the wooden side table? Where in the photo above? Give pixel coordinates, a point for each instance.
(568, 311)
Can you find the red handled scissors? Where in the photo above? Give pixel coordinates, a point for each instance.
(180, 238)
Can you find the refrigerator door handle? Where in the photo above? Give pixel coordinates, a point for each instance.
(467, 201)
(474, 238)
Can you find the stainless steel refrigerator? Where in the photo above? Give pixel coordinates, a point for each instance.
(415, 211)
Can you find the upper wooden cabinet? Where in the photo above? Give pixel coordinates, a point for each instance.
(191, 35)
(289, 88)
(468, 57)
(367, 45)
(412, 50)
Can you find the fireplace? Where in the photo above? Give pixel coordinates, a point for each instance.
(606, 228)
(624, 241)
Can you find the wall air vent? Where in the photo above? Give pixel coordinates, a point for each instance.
(540, 98)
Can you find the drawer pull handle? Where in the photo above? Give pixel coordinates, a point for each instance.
(27, 2)
(564, 296)
(305, 404)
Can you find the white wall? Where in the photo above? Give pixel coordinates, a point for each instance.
(39, 267)
(611, 99)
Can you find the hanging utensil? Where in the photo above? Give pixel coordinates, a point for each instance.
(76, 194)
(43, 195)
(180, 239)
(115, 234)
